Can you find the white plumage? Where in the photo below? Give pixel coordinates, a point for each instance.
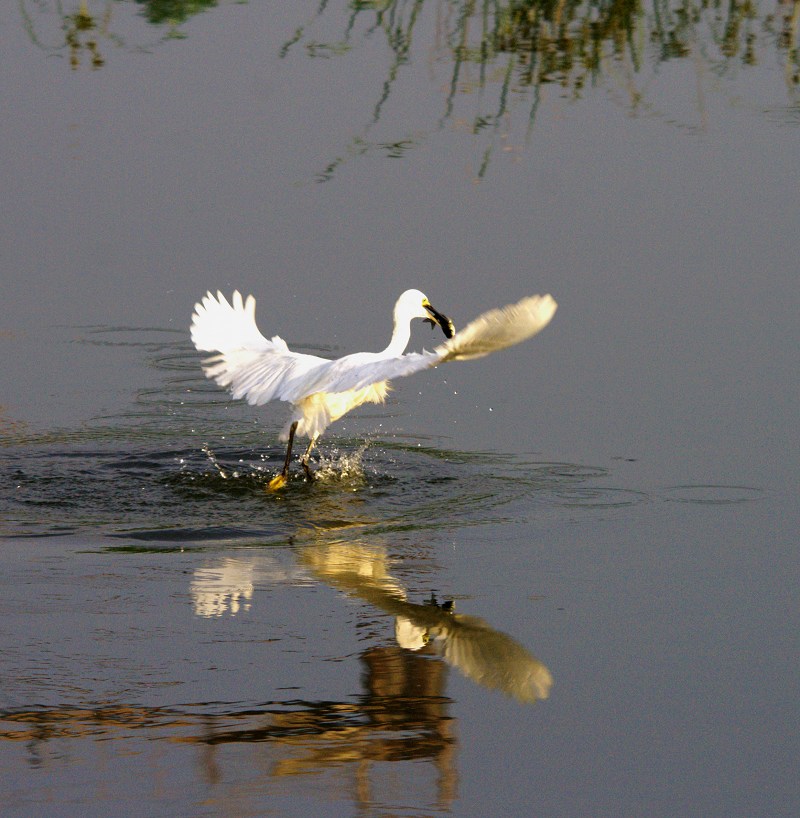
(322, 390)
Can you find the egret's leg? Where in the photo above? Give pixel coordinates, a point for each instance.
(279, 481)
(304, 459)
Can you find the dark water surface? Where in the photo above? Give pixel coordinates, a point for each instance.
(558, 581)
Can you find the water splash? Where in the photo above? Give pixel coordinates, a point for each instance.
(212, 458)
(342, 467)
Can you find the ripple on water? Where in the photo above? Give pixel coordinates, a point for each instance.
(601, 497)
(123, 475)
(152, 494)
(712, 495)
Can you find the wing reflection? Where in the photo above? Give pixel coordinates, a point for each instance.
(226, 587)
(402, 712)
(485, 655)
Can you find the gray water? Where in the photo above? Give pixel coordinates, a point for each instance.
(558, 581)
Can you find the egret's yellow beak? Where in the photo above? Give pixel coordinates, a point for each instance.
(436, 317)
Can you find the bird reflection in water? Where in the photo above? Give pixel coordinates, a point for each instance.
(485, 655)
(226, 587)
(402, 712)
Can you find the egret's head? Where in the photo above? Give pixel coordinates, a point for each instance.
(415, 304)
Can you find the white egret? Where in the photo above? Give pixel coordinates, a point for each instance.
(322, 390)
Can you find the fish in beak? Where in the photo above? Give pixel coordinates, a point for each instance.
(435, 317)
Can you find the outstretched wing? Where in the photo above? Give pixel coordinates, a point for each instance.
(218, 326)
(489, 332)
(261, 370)
(250, 365)
(497, 329)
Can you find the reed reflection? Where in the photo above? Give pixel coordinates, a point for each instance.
(84, 29)
(513, 46)
(492, 63)
(497, 61)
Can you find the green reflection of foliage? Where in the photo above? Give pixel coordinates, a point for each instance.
(506, 54)
(79, 26)
(558, 41)
(80, 31)
(172, 12)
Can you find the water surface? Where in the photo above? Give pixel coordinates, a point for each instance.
(561, 580)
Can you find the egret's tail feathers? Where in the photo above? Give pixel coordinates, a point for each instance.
(498, 329)
(218, 326)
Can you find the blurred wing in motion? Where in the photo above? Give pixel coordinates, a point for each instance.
(492, 658)
(498, 329)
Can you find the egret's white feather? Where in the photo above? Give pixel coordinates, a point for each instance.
(498, 329)
(259, 370)
(218, 326)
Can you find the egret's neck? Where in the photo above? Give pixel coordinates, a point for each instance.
(400, 338)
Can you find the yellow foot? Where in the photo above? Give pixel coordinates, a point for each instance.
(277, 482)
